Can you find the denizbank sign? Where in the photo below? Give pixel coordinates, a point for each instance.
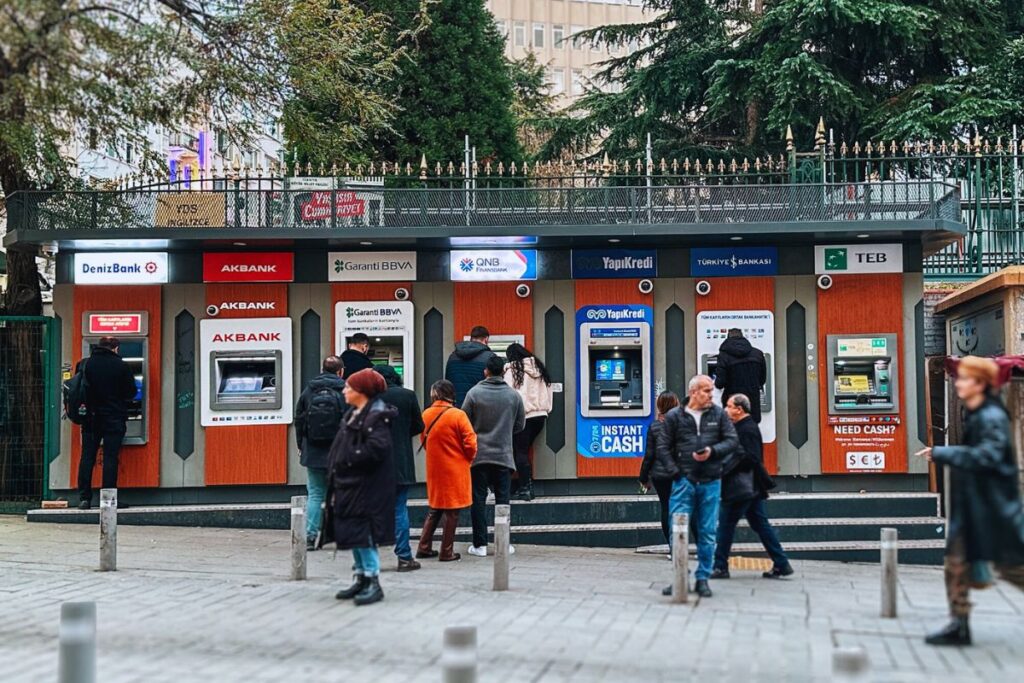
(371, 266)
(858, 258)
(120, 268)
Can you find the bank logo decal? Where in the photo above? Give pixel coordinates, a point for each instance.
(466, 265)
(835, 258)
(349, 311)
(151, 266)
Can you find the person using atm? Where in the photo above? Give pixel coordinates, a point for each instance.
(741, 369)
(465, 367)
(356, 357)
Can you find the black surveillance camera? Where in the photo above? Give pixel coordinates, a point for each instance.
(212, 310)
(824, 282)
(402, 294)
(703, 287)
(522, 291)
(645, 286)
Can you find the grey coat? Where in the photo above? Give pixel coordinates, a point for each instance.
(496, 412)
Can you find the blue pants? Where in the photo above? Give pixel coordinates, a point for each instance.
(701, 502)
(316, 489)
(366, 561)
(754, 511)
(402, 548)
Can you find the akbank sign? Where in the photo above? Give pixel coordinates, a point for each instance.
(729, 261)
(117, 268)
(371, 266)
(614, 263)
(493, 265)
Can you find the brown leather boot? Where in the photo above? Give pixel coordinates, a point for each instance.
(426, 547)
(450, 521)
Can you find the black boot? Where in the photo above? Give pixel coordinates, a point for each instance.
(702, 589)
(371, 592)
(956, 632)
(359, 582)
(524, 492)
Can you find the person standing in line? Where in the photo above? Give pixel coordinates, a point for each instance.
(656, 471)
(407, 424)
(744, 490)
(526, 373)
(465, 367)
(354, 357)
(450, 443)
(986, 517)
(110, 387)
(318, 414)
(362, 493)
(699, 437)
(741, 369)
(497, 414)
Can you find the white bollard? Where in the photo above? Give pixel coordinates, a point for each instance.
(298, 538)
(458, 658)
(108, 530)
(680, 557)
(502, 533)
(76, 660)
(850, 664)
(890, 563)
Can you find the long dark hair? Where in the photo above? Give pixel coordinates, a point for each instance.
(517, 353)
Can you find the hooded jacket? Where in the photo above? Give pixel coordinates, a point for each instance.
(465, 367)
(741, 370)
(535, 392)
(111, 385)
(407, 424)
(496, 413)
(311, 454)
(354, 361)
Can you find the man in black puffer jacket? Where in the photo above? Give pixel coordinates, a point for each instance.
(741, 370)
(465, 368)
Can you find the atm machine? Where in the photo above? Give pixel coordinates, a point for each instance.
(862, 374)
(131, 328)
(388, 324)
(615, 369)
(709, 364)
(499, 343)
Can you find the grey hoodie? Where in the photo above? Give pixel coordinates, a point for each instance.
(496, 412)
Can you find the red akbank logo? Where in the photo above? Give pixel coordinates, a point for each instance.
(248, 267)
(235, 337)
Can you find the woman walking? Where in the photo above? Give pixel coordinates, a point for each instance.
(450, 443)
(362, 478)
(525, 373)
(656, 471)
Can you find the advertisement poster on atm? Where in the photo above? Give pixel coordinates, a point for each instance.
(611, 437)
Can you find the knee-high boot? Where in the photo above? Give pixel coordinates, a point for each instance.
(450, 522)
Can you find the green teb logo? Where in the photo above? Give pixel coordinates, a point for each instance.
(835, 258)
(339, 265)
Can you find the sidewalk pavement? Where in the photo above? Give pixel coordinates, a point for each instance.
(216, 605)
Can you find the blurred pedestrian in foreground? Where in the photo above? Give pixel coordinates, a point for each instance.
(986, 518)
(657, 470)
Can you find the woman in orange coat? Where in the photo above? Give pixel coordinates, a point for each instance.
(450, 443)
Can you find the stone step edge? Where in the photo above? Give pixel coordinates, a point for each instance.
(644, 526)
(811, 546)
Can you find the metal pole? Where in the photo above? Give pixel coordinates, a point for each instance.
(889, 567)
(680, 557)
(298, 538)
(465, 179)
(108, 530)
(458, 656)
(1015, 194)
(76, 659)
(650, 167)
(502, 522)
(850, 664)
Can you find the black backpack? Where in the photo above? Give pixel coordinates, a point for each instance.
(323, 417)
(76, 392)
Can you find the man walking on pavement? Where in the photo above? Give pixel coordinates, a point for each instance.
(741, 369)
(318, 416)
(698, 436)
(111, 385)
(496, 412)
(404, 426)
(465, 367)
(745, 485)
(354, 358)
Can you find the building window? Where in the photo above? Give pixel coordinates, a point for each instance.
(502, 28)
(557, 36)
(557, 79)
(577, 81)
(222, 142)
(577, 44)
(538, 35)
(519, 34)
(128, 153)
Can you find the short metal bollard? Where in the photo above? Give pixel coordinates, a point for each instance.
(850, 664)
(890, 564)
(680, 557)
(108, 530)
(76, 662)
(502, 533)
(458, 658)
(298, 538)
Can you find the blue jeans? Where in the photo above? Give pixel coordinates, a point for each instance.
(757, 518)
(701, 502)
(316, 489)
(366, 561)
(402, 548)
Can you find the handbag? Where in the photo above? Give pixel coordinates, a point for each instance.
(423, 443)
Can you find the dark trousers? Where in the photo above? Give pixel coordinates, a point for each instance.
(487, 477)
(757, 518)
(663, 487)
(105, 432)
(521, 444)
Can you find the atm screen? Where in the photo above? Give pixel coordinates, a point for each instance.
(241, 385)
(853, 384)
(610, 370)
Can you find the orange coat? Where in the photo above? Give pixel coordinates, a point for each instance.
(451, 447)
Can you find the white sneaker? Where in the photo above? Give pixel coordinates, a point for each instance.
(511, 549)
(479, 551)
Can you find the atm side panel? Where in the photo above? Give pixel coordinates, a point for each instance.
(181, 442)
(434, 315)
(554, 456)
(312, 312)
(63, 307)
(796, 367)
(914, 374)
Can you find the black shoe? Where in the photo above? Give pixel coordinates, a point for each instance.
(956, 632)
(84, 504)
(371, 592)
(720, 574)
(409, 565)
(702, 589)
(359, 582)
(311, 544)
(523, 494)
(779, 572)
(666, 591)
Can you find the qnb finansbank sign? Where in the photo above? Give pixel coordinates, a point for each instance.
(120, 268)
(493, 265)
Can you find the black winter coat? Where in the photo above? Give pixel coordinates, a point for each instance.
(354, 361)
(111, 384)
(362, 479)
(312, 454)
(407, 424)
(653, 467)
(739, 482)
(985, 501)
(679, 440)
(741, 370)
(465, 368)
